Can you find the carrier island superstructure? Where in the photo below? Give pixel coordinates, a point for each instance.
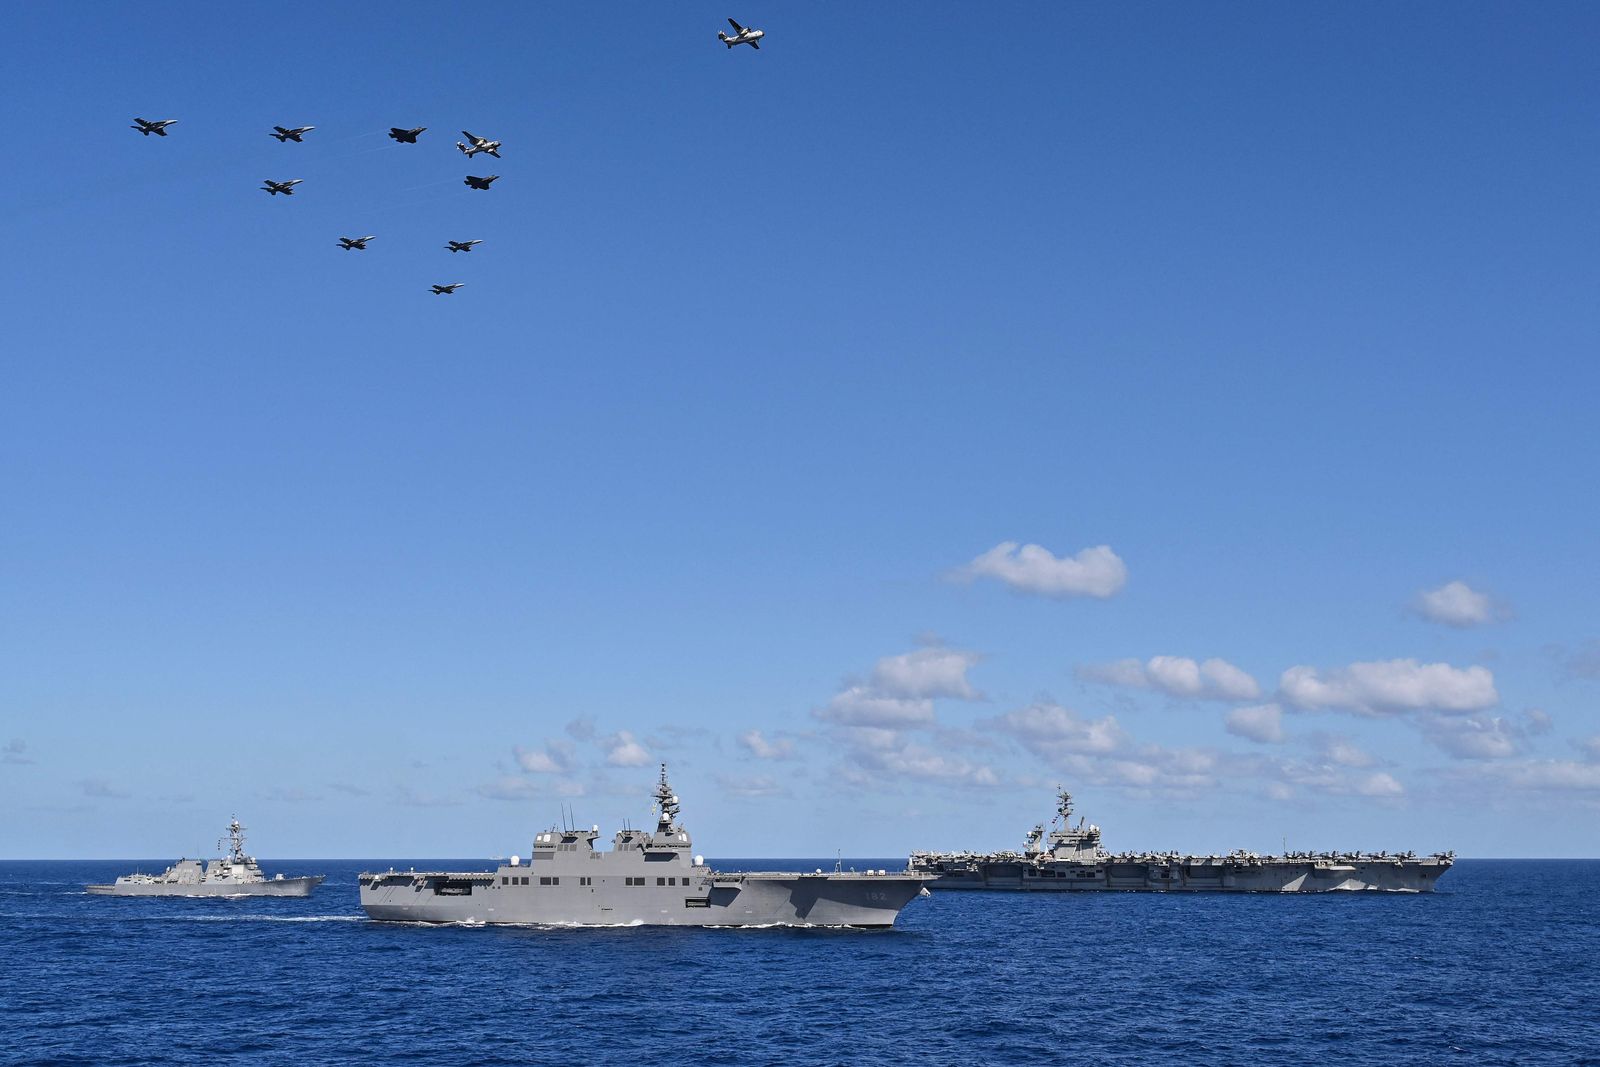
(645, 879)
(1070, 859)
(235, 874)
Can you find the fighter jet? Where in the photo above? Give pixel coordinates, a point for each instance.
(462, 246)
(347, 243)
(290, 135)
(446, 290)
(476, 182)
(479, 144)
(742, 35)
(286, 188)
(406, 136)
(157, 127)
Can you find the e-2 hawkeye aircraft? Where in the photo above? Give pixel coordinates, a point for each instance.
(479, 144)
(742, 35)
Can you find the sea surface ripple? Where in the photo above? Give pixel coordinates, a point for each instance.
(1498, 967)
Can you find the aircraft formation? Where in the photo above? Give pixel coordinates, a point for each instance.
(470, 147)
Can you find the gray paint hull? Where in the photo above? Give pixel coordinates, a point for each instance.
(276, 887)
(1201, 876)
(757, 899)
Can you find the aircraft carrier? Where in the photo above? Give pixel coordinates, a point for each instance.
(1071, 860)
(234, 875)
(644, 879)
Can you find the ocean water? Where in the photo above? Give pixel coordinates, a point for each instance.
(1502, 966)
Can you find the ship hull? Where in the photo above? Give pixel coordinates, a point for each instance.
(763, 899)
(1202, 876)
(276, 887)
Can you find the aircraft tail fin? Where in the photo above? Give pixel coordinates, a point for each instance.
(723, 38)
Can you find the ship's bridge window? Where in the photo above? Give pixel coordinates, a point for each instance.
(547, 880)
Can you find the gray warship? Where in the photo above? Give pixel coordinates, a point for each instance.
(233, 875)
(1071, 860)
(645, 879)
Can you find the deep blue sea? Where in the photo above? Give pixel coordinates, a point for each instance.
(1502, 966)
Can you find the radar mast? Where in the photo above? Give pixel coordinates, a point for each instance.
(666, 804)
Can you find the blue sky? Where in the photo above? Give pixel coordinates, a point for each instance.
(1291, 310)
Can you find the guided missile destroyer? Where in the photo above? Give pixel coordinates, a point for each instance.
(234, 875)
(645, 879)
(1071, 860)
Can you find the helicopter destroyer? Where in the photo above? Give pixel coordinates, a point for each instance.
(645, 879)
(234, 875)
(1071, 860)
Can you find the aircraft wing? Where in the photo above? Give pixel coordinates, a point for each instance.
(474, 138)
(756, 45)
(736, 27)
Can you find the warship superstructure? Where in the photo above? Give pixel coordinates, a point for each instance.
(645, 879)
(235, 874)
(1070, 859)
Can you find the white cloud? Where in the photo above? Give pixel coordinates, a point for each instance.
(1342, 752)
(1547, 775)
(1454, 604)
(1095, 572)
(1472, 737)
(876, 762)
(1259, 722)
(1128, 672)
(1052, 729)
(554, 758)
(860, 706)
(927, 672)
(509, 787)
(623, 751)
(99, 787)
(1390, 687)
(1581, 662)
(1178, 676)
(751, 787)
(753, 742)
(1379, 784)
(901, 691)
(15, 751)
(1590, 747)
